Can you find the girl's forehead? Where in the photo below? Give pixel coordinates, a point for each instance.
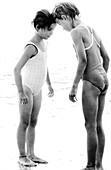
(53, 26)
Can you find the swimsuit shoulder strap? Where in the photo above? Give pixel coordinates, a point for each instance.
(31, 43)
(93, 38)
(96, 40)
(91, 33)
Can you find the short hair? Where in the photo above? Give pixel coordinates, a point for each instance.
(43, 19)
(66, 8)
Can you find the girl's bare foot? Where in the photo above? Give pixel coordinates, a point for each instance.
(25, 161)
(37, 159)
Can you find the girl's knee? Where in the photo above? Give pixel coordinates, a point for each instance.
(99, 126)
(33, 122)
(90, 126)
(24, 120)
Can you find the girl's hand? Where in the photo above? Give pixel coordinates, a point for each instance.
(73, 93)
(51, 91)
(23, 98)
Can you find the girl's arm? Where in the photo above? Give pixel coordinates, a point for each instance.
(104, 56)
(28, 52)
(82, 61)
(51, 91)
(48, 78)
(80, 52)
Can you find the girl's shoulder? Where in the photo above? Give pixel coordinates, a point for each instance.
(76, 33)
(32, 44)
(31, 48)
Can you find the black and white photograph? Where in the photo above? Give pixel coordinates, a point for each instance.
(55, 85)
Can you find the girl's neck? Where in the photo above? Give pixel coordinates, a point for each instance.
(79, 24)
(39, 41)
(38, 38)
(77, 21)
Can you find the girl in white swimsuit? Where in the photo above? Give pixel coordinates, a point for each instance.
(35, 70)
(30, 75)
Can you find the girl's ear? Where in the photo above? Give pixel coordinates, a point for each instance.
(63, 17)
(77, 17)
(37, 27)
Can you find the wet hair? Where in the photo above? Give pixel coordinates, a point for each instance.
(43, 19)
(67, 9)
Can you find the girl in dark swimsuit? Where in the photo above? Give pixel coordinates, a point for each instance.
(89, 51)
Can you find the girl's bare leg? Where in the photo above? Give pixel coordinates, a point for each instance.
(100, 132)
(31, 129)
(25, 111)
(32, 124)
(90, 107)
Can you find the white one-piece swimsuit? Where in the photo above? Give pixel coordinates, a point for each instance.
(35, 71)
